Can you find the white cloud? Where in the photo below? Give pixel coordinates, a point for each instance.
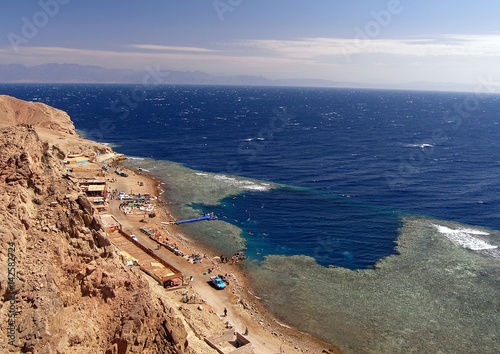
(314, 48)
(177, 59)
(165, 48)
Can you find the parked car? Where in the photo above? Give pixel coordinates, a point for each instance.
(121, 173)
(218, 282)
(134, 237)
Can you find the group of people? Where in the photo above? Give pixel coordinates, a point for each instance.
(113, 194)
(234, 259)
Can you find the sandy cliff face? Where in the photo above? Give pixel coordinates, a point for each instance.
(51, 124)
(71, 292)
(14, 111)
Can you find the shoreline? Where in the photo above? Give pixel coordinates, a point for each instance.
(250, 313)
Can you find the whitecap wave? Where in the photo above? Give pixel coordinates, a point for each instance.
(257, 188)
(422, 146)
(253, 139)
(224, 178)
(242, 183)
(466, 238)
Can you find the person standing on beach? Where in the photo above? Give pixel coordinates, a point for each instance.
(225, 312)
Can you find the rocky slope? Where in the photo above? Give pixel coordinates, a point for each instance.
(71, 293)
(52, 125)
(14, 111)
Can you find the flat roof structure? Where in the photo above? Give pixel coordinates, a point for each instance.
(96, 187)
(78, 160)
(109, 221)
(84, 169)
(86, 181)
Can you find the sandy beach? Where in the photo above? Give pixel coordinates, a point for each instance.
(245, 313)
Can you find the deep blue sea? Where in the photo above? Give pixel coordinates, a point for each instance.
(307, 178)
(348, 163)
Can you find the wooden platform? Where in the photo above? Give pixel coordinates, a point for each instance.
(149, 262)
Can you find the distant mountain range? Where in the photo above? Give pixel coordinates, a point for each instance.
(75, 73)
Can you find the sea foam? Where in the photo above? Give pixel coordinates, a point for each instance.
(466, 238)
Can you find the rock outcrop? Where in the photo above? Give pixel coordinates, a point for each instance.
(14, 111)
(51, 124)
(71, 292)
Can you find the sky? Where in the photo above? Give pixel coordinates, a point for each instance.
(372, 41)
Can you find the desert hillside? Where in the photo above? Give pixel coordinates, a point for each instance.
(14, 111)
(52, 125)
(60, 279)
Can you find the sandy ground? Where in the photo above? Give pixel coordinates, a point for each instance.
(244, 312)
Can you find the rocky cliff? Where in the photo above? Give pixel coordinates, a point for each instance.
(52, 125)
(14, 111)
(62, 285)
